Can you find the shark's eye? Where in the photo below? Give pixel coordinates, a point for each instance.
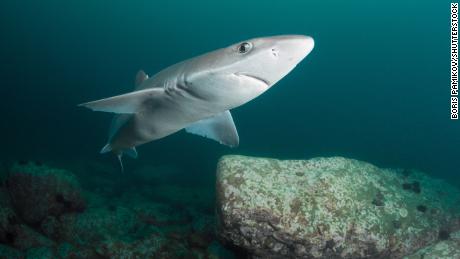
(244, 47)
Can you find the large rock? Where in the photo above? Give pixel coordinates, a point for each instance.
(38, 191)
(330, 208)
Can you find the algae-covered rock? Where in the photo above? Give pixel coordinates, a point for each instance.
(7, 224)
(97, 225)
(330, 208)
(67, 250)
(9, 252)
(24, 237)
(37, 191)
(18, 235)
(154, 246)
(40, 253)
(445, 249)
(44, 213)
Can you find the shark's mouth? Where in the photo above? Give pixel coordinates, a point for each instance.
(260, 79)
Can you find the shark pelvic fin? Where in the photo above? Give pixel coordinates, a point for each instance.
(126, 103)
(131, 152)
(220, 128)
(117, 122)
(106, 149)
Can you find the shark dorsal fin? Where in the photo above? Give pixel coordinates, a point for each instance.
(141, 76)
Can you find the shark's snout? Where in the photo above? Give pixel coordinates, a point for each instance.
(276, 56)
(307, 43)
(295, 47)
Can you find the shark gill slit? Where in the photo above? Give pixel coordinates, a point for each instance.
(187, 90)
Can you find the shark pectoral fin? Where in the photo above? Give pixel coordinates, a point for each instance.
(220, 128)
(125, 103)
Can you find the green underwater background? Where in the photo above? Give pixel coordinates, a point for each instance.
(375, 88)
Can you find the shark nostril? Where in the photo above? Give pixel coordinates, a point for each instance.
(275, 52)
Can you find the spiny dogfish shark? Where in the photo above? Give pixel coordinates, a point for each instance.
(197, 94)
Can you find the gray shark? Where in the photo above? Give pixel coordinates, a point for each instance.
(198, 93)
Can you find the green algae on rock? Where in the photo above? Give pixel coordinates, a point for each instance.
(330, 208)
(445, 249)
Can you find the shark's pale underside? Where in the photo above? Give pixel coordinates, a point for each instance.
(198, 93)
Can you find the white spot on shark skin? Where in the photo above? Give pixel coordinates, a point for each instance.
(198, 93)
